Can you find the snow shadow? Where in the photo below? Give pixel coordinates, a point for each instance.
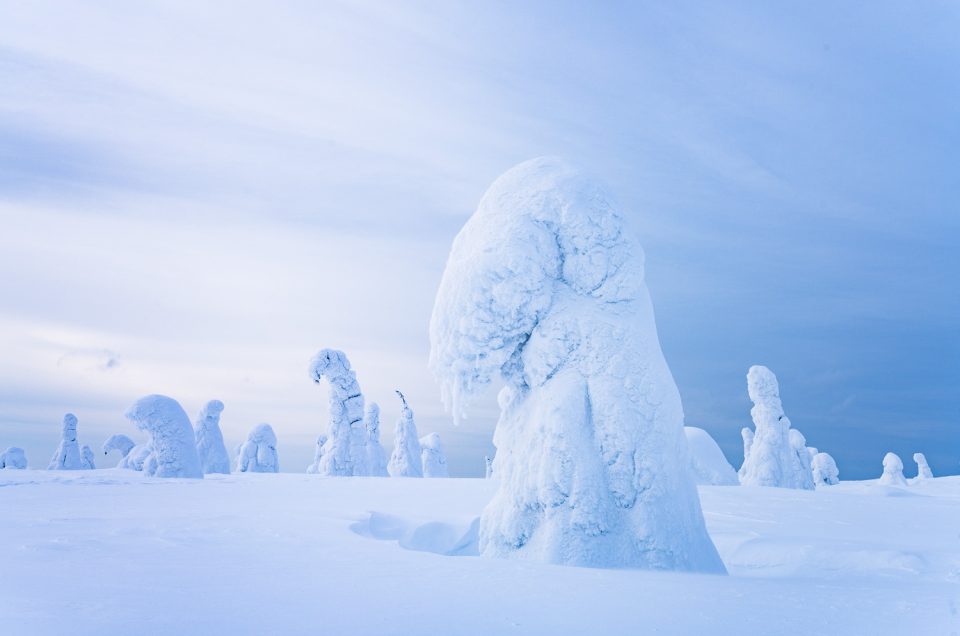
(446, 539)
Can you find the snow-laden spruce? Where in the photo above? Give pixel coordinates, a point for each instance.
(544, 288)
(346, 452)
(120, 443)
(824, 470)
(432, 458)
(314, 468)
(172, 450)
(923, 468)
(259, 453)
(772, 459)
(210, 447)
(13, 457)
(892, 471)
(67, 455)
(405, 460)
(709, 466)
(376, 455)
(87, 459)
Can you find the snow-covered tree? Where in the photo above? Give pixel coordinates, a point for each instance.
(259, 453)
(13, 457)
(772, 460)
(405, 460)
(923, 468)
(544, 289)
(210, 447)
(376, 455)
(432, 458)
(120, 443)
(747, 434)
(87, 459)
(488, 465)
(709, 466)
(314, 468)
(137, 456)
(824, 470)
(67, 455)
(799, 445)
(892, 471)
(172, 445)
(346, 452)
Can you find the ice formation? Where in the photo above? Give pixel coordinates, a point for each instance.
(405, 460)
(172, 446)
(314, 468)
(544, 288)
(709, 466)
(118, 442)
(799, 445)
(432, 459)
(824, 470)
(13, 457)
(376, 455)
(923, 468)
(87, 460)
(67, 455)
(488, 465)
(772, 459)
(210, 448)
(259, 453)
(346, 452)
(892, 471)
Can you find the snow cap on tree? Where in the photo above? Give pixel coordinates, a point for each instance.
(433, 460)
(405, 460)
(172, 446)
(13, 457)
(67, 455)
(346, 452)
(923, 468)
(120, 443)
(259, 453)
(824, 469)
(210, 447)
(892, 471)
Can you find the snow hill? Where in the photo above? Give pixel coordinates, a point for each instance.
(112, 551)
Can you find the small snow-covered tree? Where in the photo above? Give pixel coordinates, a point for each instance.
(13, 457)
(376, 455)
(259, 453)
(120, 443)
(67, 455)
(488, 465)
(432, 459)
(923, 468)
(172, 446)
(87, 460)
(544, 289)
(772, 460)
(747, 434)
(707, 462)
(824, 469)
(346, 452)
(405, 460)
(892, 471)
(314, 468)
(210, 447)
(799, 445)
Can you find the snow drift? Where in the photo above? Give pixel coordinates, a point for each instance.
(210, 447)
(710, 467)
(544, 288)
(172, 446)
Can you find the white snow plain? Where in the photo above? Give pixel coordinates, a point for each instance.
(241, 553)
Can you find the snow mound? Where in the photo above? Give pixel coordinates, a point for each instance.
(173, 451)
(259, 453)
(210, 447)
(710, 467)
(437, 537)
(544, 288)
(13, 457)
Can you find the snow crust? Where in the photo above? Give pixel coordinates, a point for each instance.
(433, 460)
(824, 470)
(775, 455)
(120, 443)
(259, 453)
(67, 455)
(544, 289)
(13, 457)
(405, 461)
(708, 463)
(346, 451)
(892, 471)
(172, 446)
(210, 446)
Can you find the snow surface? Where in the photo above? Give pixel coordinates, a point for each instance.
(13, 457)
(709, 466)
(67, 455)
(259, 453)
(544, 289)
(892, 471)
(173, 450)
(241, 553)
(405, 461)
(210, 447)
(433, 460)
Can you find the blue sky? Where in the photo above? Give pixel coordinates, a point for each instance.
(197, 198)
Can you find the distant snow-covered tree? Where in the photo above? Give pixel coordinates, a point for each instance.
(346, 452)
(87, 460)
(824, 470)
(488, 465)
(120, 443)
(923, 468)
(707, 462)
(137, 456)
(210, 447)
(376, 455)
(432, 458)
(799, 445)
(259, 453)
(747, 434)
(405, 460)
(172, 445)
(67, 455)
(13, 457)
(314, 468)
(892, 471)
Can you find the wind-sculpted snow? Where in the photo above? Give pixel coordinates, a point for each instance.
(87, 460)
(824, 470)
(346, 452)
(210, 447)
(923, 468)
(120, 443)
(405, 461)
(376, 455)
(13, 457)
(544, 289)
(709, 466)
(259, 453)
(772, 459)
(67, 455)
(433, 460)
(172, 446)
(892, 471)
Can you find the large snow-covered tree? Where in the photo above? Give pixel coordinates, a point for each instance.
(210, 447)
(346, 450)
(67, 455)
(432, 458)
(172, 449)
(13, 457)
(259, 453)
(405, 460)
(544, 289)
